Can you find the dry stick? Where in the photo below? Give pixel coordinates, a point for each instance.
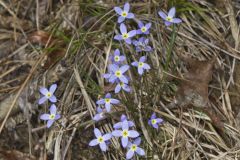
(20, 91)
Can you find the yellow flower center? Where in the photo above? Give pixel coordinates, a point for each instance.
(134, 147)
(49, 94)
(125, 133)
(118, 74)
(100, 139)
(170, 19)
(116, 58)
(140, 64)
(125, 36)
(52, 116)
(143, 29)
(121, 84)
(124, 14)
(154, 121)
(107, 100)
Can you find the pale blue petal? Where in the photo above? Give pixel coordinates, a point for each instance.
(107, 136)
(140, 151)
(140, 70)
(137, 141)
(42, 100)
(57, 116)
(130, 15)
(123, 117)
(146, 66)
(93, 142)
(134, 64)
(101, 101)
(140, 24)
(108, 95)
(108, 107)
(116, 52)
(117, 133)
(130, 154)
(43, 91)
(53, 88)
(53, 99)
(153, 116)
(49, 123)
(117, 125)
(118, 10)
(126, 7)
(97, 132)
(124, 68)
(159, 120)
(128, 41)
(177, 20)
(133, 134)
(117, 88)
(124, 141)
(121, 19)
(44, 116)
(103, 146)
(123, 79)
(132, 33)
(125, 125)
(123, 28)
(167, 23)
(162, 15)
(114, 101)
(148, 25)
(142, 59)
(53, 109)
(118, 37)
(172, 12)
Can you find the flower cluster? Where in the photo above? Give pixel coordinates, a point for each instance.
(49, 95)
(117, 73)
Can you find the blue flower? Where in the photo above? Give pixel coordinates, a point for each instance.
(116, 57)
(119, 124)
(123, 86)
(48, 94)
(100, 114)
(50, 118)
(100, 139)
(143, 29)
(117, 73)
(108, 101)
(142, 45)
(154, 121)
(125, 35)
(169, 19)
(123, 13)
(141, 65)
(133, 148)
(125, 133)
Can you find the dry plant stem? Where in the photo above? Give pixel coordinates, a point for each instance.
(20, 91)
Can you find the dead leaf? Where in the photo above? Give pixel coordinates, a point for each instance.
(194, 89)
(40, 37)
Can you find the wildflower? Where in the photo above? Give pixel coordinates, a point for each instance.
(100, 114)
(108, 101)
(141, 65)
(169, 19)
(119, 124)
(154, 121)
(118, 73)
(143, 29)
(100, 139)
(123, 13)
(48, 94)
(123, 86)
(142, 45)
(125, 35)
(133, 148)
(125, 133)
(117, 58)
(50, 118)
